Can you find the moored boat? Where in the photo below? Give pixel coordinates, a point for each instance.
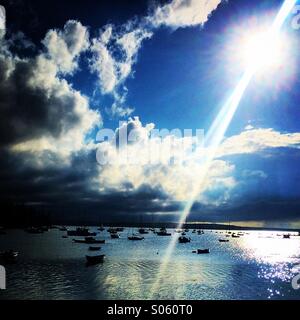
(135, 238)
(183, 239)
(81, 232)
(115, 236)
(223, 240)
(203, 251)
(163, 233)
(94, 248)
(95, 259)
(89, 240)
(143, 231)
(235, 235)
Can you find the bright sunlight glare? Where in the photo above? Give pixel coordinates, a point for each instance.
(261, 51)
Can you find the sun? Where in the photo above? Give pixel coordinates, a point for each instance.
(262, 50)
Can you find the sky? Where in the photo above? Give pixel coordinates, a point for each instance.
(71, 69)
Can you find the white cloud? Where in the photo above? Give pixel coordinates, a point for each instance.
(128, 168)
(184, 13)
(114, 54)
(65, 46)
(149, 160)
(256, 140)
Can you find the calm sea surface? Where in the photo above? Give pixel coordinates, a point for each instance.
(259, 265)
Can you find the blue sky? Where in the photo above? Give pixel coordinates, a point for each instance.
(150, 64)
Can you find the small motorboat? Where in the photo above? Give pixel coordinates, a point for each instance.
(286, 236)
(89, 240)
(163, 233)
(9, 256)
(115, 230)
(135, 238)
(94, 248)
(223, 240)
(143, 231)
(235, 235)
(81, 232)
(203, 251)
(200, 232)
(183, 239)
(95, 259)
(115, 236)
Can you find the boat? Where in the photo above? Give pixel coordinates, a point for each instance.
(163, 233)
(65, 237)
(81, 232)
(115, 230)
(203, 251)
(135, 238)
(94, 248)
(143, 231)
(234, 236)
(200, 232)
(115, 236)
(286, 236)
(9, 256)
(101, 229)
(89, 240)
(194, 231)
(95, 259)
(223, 240)
(183, 239)
(63, 229)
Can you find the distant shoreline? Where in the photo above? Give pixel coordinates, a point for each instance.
(170, 225)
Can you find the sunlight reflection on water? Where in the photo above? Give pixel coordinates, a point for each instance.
(256, 266)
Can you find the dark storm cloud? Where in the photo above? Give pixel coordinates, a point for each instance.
(28, 112)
